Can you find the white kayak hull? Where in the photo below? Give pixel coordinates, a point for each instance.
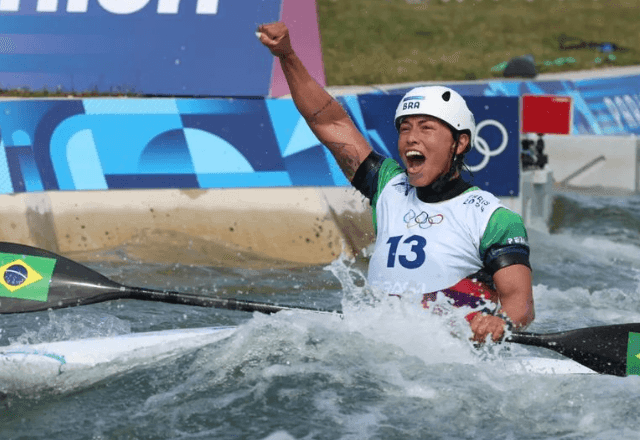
(537, 365)
(66, 365)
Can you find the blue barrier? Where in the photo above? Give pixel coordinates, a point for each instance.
(102, 144)
(601, 106)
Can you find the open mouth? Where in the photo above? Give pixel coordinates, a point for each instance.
(414, 159)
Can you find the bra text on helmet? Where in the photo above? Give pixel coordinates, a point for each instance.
(410, 104)
(120, 7)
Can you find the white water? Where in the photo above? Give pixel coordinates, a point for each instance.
(388, 370)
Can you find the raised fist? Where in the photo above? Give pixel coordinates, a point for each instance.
(276, 37)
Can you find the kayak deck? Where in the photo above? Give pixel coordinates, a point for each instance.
(65, 365)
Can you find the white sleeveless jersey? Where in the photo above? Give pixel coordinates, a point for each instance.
(425, 247)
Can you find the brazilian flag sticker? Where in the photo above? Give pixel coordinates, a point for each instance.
(25, 276)
(633, 354)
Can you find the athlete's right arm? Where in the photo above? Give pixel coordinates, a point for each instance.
(325, 116)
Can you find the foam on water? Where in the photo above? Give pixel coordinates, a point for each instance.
(388, 369)
(344, 384)
(584, 280)
(436, 335)
(375, 367)
(610, 251)
(62, 325)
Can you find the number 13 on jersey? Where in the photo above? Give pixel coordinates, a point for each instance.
(414, 258)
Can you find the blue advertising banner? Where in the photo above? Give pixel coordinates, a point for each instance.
(102, 144)
(151, 47)
(606, 106)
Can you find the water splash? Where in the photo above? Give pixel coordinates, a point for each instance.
(439, 334)
(77, 324)
(356, 291)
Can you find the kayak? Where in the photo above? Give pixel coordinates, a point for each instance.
(67, 365)
(60, 283)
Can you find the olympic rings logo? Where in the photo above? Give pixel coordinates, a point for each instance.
(482, 145)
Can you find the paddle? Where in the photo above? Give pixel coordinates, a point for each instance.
(33, 279)
(610, 349)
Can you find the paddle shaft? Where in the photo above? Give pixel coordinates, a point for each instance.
(212, 301)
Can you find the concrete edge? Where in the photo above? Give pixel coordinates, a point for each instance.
(228, 227)
(240, 227)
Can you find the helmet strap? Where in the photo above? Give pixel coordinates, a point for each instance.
(441, 181)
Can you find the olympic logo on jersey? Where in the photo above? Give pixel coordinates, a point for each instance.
(482, 146)
(423, 219)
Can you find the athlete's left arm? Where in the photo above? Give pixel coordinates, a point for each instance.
(506, 256)
(513, 285)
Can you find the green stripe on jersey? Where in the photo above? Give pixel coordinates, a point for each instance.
(504, 227)
(388, 170)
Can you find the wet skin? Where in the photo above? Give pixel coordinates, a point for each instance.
(426, 147)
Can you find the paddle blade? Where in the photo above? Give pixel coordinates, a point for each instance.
(611, 349)
(33, 279)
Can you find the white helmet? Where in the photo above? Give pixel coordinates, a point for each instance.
(443, 103)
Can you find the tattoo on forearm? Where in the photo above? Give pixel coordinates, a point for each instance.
(347, 161)
(324, 107)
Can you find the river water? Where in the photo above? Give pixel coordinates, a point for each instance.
(386, 371)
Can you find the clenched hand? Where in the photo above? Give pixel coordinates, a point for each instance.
(276, 37)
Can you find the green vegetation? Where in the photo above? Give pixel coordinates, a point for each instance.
(27, 93)
(366, 42)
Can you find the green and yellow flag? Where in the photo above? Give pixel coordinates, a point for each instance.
(25, 276)
(633, 354)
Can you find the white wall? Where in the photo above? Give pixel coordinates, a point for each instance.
(614, 159)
